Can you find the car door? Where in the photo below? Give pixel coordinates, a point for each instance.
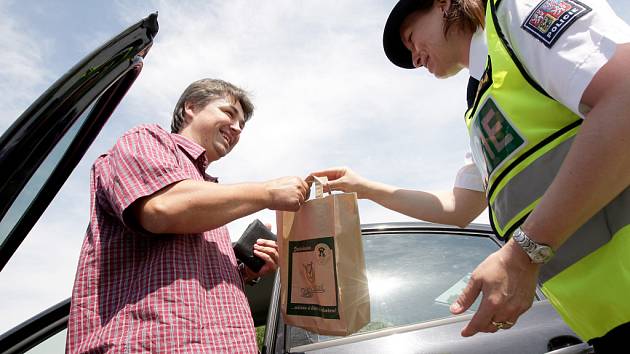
(39, 151)
(415, 271)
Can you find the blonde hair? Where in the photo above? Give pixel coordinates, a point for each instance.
(466, 15)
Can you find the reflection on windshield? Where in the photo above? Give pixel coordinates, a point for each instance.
(381, 284)
(39, 178)
(413, 278)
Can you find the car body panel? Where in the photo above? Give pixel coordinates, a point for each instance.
(442, 336)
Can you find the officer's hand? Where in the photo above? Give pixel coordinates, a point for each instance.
(345, 180)
(507, 280)
(286, 193)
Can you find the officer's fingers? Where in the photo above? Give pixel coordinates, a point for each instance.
(332, 173)
(511, 312)
(335, 185)
(467, 297)
(482, 320)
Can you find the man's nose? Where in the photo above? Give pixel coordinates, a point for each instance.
(236, 127)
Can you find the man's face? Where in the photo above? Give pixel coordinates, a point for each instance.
(217, 126)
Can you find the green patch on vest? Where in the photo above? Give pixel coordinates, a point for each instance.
(498, 138)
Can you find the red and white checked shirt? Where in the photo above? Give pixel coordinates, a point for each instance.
(137, 292)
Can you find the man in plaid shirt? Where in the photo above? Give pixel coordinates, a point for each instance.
(157, 273)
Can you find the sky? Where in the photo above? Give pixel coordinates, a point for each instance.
(325, 95)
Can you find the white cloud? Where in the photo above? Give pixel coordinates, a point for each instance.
(22, 69)
(324, 91)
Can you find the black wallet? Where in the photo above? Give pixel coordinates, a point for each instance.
(244, 247)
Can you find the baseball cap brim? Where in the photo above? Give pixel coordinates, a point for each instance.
(395, 50)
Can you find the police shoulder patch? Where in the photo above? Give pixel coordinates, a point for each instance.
(551, 18)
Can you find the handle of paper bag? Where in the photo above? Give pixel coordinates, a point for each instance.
(319, 183)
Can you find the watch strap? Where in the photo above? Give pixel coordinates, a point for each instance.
(537, 252)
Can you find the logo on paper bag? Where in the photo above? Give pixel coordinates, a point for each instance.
(310, 273)
(313, 287)
(324, 253)
(313, 278)
(551, 18)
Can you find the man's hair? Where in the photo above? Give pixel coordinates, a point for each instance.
(466, 15)
(202, 92)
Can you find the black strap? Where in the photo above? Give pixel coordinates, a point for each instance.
(471, 91)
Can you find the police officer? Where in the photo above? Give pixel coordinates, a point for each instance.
(549, 127)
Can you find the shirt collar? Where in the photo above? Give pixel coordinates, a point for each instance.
(478, 54)
(196, 152)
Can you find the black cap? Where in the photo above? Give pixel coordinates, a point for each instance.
(395, 50)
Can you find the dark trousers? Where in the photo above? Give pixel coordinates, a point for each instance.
(615, 341)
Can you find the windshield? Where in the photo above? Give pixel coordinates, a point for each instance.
(413, 278)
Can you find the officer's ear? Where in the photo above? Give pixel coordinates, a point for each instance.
(444, 5)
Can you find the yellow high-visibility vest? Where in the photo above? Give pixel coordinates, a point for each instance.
(519, 138)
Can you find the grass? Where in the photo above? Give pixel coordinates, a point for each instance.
(260, 336)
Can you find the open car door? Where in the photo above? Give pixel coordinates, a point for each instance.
(44, 145)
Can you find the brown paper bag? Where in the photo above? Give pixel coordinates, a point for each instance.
(324, 286)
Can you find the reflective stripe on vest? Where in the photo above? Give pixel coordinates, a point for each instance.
(520, 136)
(515, 198)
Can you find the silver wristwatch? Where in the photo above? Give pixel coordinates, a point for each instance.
(538, 253)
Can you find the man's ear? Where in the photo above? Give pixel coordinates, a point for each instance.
(189, 112)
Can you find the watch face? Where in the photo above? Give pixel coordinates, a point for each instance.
(536, 252)
(542, 255)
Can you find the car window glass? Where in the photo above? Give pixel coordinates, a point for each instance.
(35, 184)
(413, 278)
(36, 265)
(54, 344)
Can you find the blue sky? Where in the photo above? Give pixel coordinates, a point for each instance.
(325, 96)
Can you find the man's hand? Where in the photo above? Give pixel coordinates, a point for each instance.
(267, 250)
(507, 280)
(287, 193)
